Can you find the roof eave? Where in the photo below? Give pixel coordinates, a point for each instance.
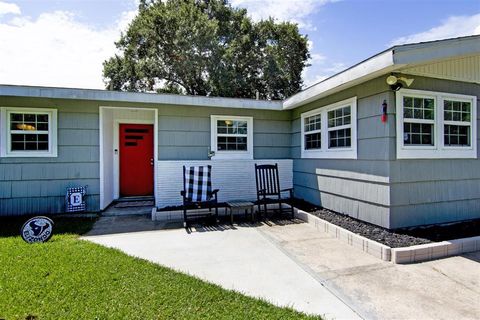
(135, 97)
(368, 69)
(436, 50)
(390, 60)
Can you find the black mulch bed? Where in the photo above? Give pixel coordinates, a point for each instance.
(399, 237)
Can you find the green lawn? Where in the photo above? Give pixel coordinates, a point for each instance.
(68, 278)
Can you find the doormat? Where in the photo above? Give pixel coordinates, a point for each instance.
(130, 204)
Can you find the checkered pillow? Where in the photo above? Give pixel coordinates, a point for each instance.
(198, 183)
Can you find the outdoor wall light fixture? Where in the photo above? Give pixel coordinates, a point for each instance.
(396, 83)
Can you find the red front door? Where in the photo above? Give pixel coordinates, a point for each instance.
(136, 160)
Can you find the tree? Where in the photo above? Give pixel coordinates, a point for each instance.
(207, 47)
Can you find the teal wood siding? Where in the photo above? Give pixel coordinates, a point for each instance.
(377, 187)
(38, 185)
(357, 187)
(431, 191)
(184, 132)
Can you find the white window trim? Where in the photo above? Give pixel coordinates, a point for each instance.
(439, 150)
(5, 137)
(231, 154)
(325, 152)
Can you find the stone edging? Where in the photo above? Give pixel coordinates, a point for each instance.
(374, 248)
(436, 250)
(412, 254)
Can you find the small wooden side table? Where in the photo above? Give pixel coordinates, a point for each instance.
(240, 205)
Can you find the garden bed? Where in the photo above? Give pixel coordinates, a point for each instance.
(395, 238)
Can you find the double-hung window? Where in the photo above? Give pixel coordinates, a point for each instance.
(457, 123)
(232, 137)
(340, 128)
(435, 125)
(330, 131)
(28, 132)
(419, 121)
(313, 132)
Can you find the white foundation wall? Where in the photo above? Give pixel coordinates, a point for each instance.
(234, 178)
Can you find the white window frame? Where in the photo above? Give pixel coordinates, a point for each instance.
(248, 154)
(321, 131)
(325, 152)
(438, 150)
(5, 132)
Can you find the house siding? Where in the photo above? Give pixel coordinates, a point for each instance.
(357, 187)
(427, 191)
(38, 185)
(377, 187)
(184, 132)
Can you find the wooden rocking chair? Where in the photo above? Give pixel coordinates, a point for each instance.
(268, 188)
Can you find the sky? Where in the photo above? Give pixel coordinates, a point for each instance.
(64, 43)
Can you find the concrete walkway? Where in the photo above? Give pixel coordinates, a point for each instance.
(441, 289)
(240, 258)
(294, 265)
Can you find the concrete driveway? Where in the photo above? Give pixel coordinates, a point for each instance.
(294, 265)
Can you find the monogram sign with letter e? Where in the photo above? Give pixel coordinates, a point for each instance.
(76, 199)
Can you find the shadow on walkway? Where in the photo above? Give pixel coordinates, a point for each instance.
(138, 223)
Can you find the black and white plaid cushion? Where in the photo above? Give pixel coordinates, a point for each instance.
(198, 183)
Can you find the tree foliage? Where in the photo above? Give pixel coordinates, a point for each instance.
(207, 47)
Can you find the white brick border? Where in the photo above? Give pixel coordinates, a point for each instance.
(431, 251)
(412, 254)
(374, 248)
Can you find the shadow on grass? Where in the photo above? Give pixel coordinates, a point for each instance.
(10, 226)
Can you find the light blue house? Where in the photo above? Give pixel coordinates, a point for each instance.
(392, 140)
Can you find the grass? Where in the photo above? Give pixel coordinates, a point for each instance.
(68, 278)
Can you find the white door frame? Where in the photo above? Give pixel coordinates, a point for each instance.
(115, 146)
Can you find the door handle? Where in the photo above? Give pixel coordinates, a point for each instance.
(151, 161)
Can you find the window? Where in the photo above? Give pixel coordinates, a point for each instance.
(339, 128)
(419, 121)
(330, 131)
(313, 132)
(28, 132)
(232, 137)
(457, 117)
(435, 125)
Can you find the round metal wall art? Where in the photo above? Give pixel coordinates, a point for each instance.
(37, 229)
